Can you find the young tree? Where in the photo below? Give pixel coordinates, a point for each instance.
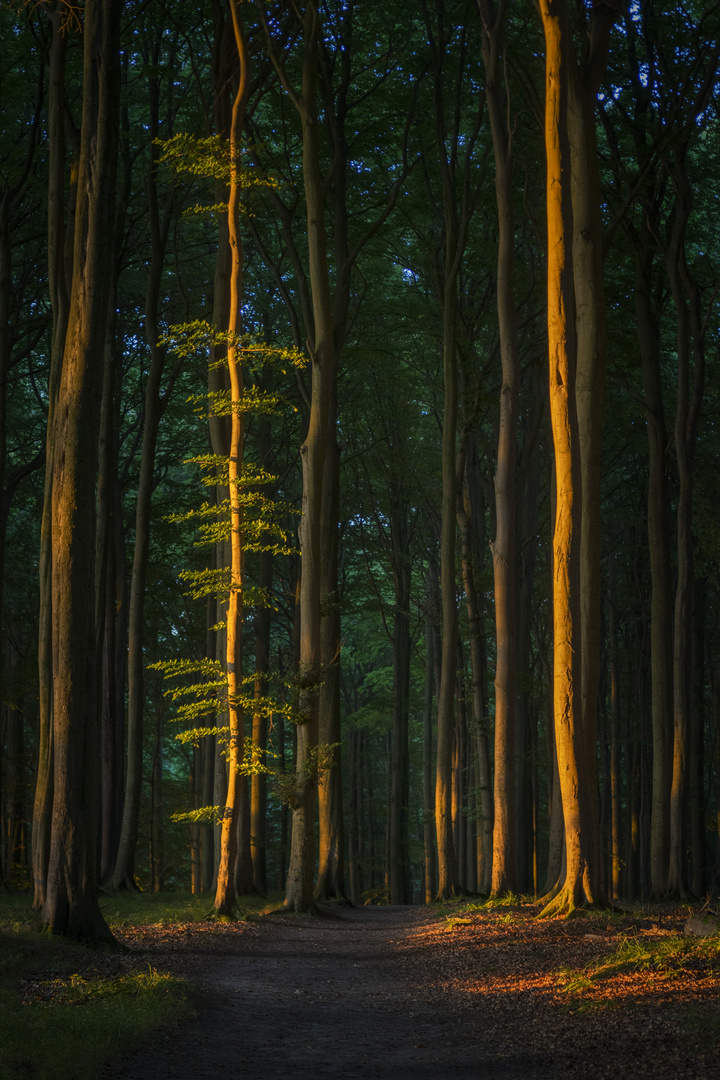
(503, 546)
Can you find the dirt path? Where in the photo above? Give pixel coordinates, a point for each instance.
(382, 993)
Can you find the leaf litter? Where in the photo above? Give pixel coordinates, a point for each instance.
(402, 992)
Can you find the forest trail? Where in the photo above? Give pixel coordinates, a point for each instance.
(387, 992)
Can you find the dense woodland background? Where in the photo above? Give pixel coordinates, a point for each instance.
(408, 186)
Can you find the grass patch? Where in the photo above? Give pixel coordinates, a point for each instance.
(669, 958)
(165, 909)
(67, 1010)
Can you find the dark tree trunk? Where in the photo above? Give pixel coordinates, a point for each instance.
(71, 905)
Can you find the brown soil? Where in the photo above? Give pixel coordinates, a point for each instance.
(391, 992)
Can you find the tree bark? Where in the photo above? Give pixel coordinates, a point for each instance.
(690, 381)
(660, 574)
(225, 892)
(567, 696)
(399, 766)
(60, 247)
(154, 406)
(504, 873)
(71, 905)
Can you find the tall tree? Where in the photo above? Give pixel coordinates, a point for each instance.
(299, 892)
(71, 905)
(503, 545)
(580, 875)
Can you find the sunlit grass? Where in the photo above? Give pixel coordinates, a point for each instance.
(668, 958)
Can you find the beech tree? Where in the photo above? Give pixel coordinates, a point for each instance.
(418, 293)
(70, 905)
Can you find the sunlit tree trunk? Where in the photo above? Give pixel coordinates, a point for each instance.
(71, 905)
(566, 539)
(576, 331)
(225, 891)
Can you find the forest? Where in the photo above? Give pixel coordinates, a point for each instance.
(360, 481)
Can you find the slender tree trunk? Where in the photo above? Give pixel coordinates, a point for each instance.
(660, 574)
(330, 881)
(447, 870)
(469, 521)
(503, 546)
(154, 405)
(696, 757)
(225, 893)
(690, 343)
(258, 780)
(428, 794)
(591, 338)
(352, 817)
(323, 367)
(399, 767)
(615, 789)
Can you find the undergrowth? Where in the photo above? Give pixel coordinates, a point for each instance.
(67, 1010)
(668, 958)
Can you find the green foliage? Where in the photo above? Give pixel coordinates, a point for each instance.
(210, 158)
(210, 815)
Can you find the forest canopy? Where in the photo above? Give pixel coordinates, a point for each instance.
(359, 475)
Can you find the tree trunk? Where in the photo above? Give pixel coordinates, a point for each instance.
(696, 757)
(566, 540)
(225, 892)
(323, 365)
(60, 247)
(154, 406)
(330, 881)
(660, 574)
(503, 546)
(399, 767)
(615, 788)
(576, 331)
(71, 905)
(428, 794)
(690, 342)
(258, 780)
(591, 346)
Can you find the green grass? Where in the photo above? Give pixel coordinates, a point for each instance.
(67, 1010)
(463, 909)
(671, 957)
(165, 909)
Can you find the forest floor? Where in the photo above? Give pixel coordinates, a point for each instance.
(407, 992)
